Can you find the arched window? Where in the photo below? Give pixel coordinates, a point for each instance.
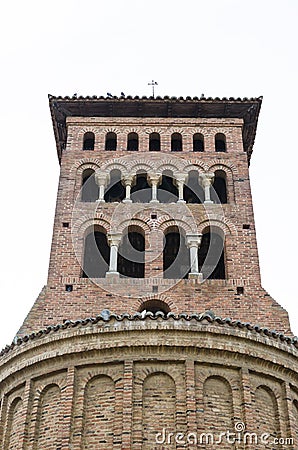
(198, 142)
(212, 254)
(176, 262)
(96, 254)
(167, 190)
(111, 141)
(219, 187)
(115, 191)
(88, 141)
(141, 191)
(132, 142)
(159, 406)
(154, 306)
(193, 191)
(131, 254)
(89, 190)
(154, 142)
(269, 424)
(176, 142)
(218, 405)
(220, 143)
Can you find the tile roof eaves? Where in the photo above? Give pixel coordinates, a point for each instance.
(208, 316)
(159, 98)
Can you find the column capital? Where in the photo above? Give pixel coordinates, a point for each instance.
(101, 179)
(193, 240)
(128, 179)
(180, 177)
(154, 178)
(206, 179)
(114, 239)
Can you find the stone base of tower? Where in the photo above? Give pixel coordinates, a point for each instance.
(162, 382)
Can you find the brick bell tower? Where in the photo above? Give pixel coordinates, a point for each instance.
(153, 328)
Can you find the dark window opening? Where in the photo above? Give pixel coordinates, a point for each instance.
(176, 142)
(111, 141)
(192, 190)
(154, 306)
(131, 255)
(211, 256)
(141, 191)
(115, 191)
(132, 142)
(90, 190)
(88, 141)
(220, 143)
(65, 224)
(176, 262)
(154, 142)
(198, 142)
(240, 290)
(219, 188)
(69, 287)
(96, 255)
(246, 226)
(167, 191)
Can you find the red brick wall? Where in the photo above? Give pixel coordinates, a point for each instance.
(241, 255)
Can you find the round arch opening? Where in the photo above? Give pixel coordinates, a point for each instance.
(154, 306)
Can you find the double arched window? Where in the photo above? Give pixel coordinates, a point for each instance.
(141, 187)
(131, 250)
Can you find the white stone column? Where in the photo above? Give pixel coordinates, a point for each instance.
(193, 242)
(128, 182)
(114, 240)
(154, 180)
(101, 181)
(180, 180)
(206, 181)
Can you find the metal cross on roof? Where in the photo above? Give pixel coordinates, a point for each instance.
(153, 83)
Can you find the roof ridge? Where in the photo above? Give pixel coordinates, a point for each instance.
(76, 97)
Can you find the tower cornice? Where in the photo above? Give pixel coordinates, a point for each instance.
(173, 107)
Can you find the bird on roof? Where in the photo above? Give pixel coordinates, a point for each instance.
(122, 94)
(75, 95)
(109, 94)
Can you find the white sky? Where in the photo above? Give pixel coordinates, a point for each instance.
(216, 47)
